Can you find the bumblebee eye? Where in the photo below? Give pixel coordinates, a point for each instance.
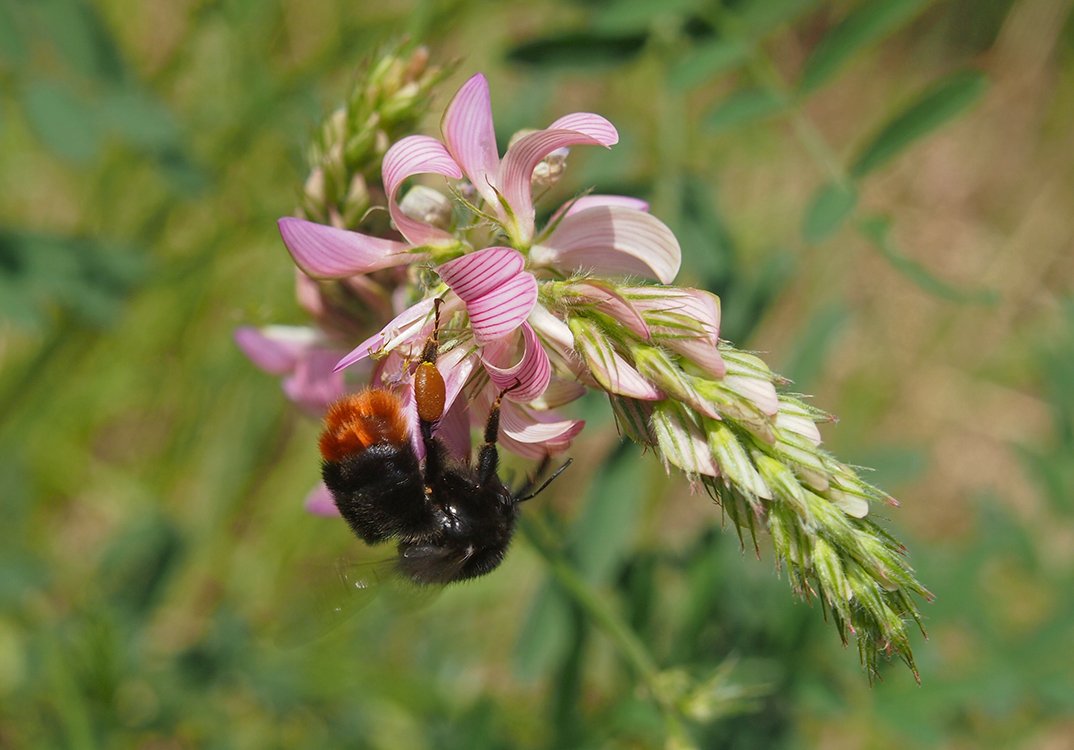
(429, 392)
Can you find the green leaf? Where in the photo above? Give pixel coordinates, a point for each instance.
(934, 107)
(703, 62)
(876, 229)
(831, 205)
(574, 50)
(63, 122)
(139, 119)
(761, 17)
(870, 22)
(742, 108)
(640, 15)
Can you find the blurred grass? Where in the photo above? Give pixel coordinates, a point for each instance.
(152, 479)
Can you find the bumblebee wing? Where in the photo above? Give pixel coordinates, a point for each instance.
(323, 597)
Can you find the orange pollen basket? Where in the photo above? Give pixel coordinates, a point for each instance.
(361, 420)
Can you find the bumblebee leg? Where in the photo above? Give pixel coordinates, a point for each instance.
(488, 460)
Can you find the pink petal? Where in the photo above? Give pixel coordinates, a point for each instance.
(476, 274)
(687, 321)
(456, 367)
(405, 327)
(590, 201)
(528, 377)
(314, 384)
(531, 426)
(498, 313)
(319, 502)
(587, 123)
(612, 240)
(416, 154)
(325, 252)
(516, 173)
(275, 349)
(453, 430)
(701, 352)
(469, 135)
(498, 294)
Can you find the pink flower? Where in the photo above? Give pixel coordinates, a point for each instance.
(300, 354)
(494, 261)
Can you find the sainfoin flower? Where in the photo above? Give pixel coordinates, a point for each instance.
(543, 312)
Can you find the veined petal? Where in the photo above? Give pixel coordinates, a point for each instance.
(612, 240)
(527, 378)
(275, 349)
(594, 126)
(476, 274)
(516, 173)
(319, 502)
(470, 137)
(325, 252)
(608, 367)
(583, 202)
(416, 154)
(687, 321)
(499, 312)
(404, 327)
(530, 426)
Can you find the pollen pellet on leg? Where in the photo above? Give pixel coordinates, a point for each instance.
(429, 392)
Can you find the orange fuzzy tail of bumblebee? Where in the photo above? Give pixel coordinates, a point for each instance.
(360, 420)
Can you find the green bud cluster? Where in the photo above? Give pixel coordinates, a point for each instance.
(390, 95)
(768, 475)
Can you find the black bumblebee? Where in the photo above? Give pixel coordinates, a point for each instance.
(451, 521)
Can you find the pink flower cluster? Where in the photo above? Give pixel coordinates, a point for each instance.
(507, 284)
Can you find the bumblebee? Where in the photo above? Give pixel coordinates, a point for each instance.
(451, 521)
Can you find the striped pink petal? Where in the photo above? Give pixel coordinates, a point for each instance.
(528, 377)
(325, 252)
(319, 502)
(275, 349)
(612, 240)
(498, 294)
(498, 313)
(469, 135)
(476, 274)
(587, 123)
(590, 201)
(531, 426)
(408, 326)
(516, 173)
(416, 154)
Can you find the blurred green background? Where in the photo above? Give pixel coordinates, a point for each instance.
(881, 193)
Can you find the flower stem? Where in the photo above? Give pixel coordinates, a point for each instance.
(537, 532)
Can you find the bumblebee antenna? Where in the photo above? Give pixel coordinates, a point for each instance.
(539, 490)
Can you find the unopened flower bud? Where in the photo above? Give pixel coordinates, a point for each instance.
(427, 205)
(550, 168)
